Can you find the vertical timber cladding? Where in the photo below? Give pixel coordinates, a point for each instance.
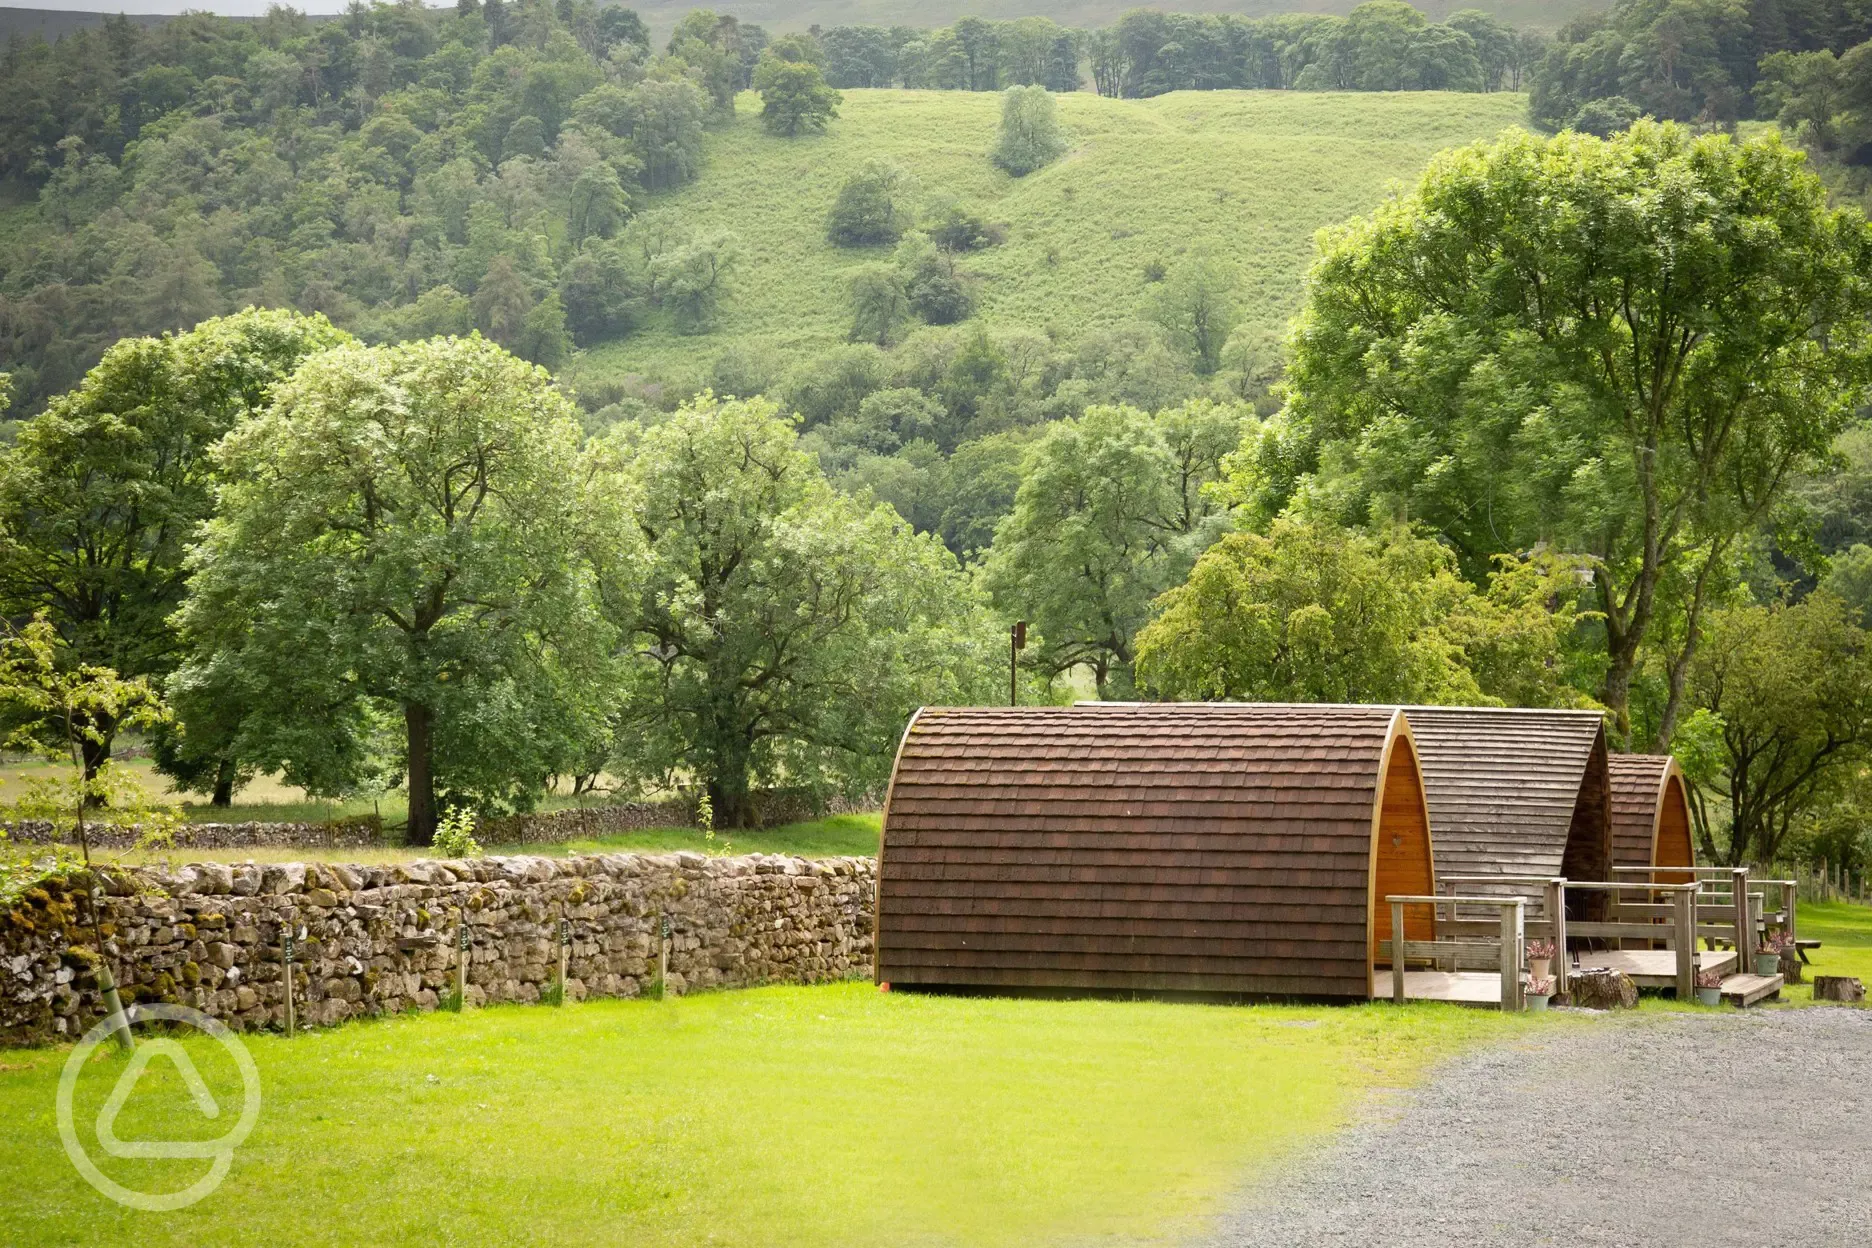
(1650, 814)
(1517, 792)
(1235, 849)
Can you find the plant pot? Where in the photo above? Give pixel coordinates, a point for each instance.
(1536, 1004)
(1538, 967)
(1767, 964)
(1710, 996)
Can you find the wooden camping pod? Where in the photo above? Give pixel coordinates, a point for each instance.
(1232, 849)
(1650, 814)
(1516, 792)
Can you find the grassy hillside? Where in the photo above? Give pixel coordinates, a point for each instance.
(1250, 176)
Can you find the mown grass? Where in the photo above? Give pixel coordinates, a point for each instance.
(832, 1115)
(831, 837)
(1845, 933)
(1246, 176)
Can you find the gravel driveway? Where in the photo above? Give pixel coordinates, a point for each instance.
(1645, 1131)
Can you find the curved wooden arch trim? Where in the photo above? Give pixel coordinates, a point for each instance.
(877, 876)
(1673, 777)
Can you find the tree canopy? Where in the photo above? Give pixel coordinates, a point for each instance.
(1628, 348)
(785, 630)
(401, 554)
(101, 493)
(1312, 612)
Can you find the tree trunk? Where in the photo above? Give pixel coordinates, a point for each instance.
(731, 799)
(96, 753)
(419, 723)
(224, 783)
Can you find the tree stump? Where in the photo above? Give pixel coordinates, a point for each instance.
(1790, 965)
(1601, 989)
(1842, 988)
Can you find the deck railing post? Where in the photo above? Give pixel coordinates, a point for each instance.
(1513, 932)
(1397, 952)
(1757, 931)
(1793, 899)
(1739, 908)
(1556, 915)
(1685, 942)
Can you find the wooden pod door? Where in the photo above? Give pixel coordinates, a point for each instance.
(1402, 862)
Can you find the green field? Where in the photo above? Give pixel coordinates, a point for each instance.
(780, 1116)
(834, 836)
(1247, 176)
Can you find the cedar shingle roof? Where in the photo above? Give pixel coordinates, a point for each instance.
(1515, 792)
(1194, 847)
(1637, 782)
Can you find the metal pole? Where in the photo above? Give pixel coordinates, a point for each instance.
(565, 944)
(286, 966)
(462, 942)
(663, 931)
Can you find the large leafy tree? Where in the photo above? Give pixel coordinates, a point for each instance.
(402, 544)
(794, 96)
(101, 493)
(1111, 513)
(785, 630)
(1626, 349)
(1312, 612)
(1785, 723)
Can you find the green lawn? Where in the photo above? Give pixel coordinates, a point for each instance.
(1246, 175)
(831, 837)
(834, 1115)
(1846, 933)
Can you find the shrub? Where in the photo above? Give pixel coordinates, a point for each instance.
(870, 208)
(454, 835)
(1030, 136)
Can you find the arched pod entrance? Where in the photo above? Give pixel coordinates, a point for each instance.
(1233, 849)
(1650, 814)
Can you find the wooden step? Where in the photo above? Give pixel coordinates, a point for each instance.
(1745, 990)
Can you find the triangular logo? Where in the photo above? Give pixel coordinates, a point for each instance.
(145, 1053)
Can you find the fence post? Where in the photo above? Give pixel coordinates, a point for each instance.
(1685, 902)
(1513, 931)
(1556, 911)
(1739, 909)
(1397, 952)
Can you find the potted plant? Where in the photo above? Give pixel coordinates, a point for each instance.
(1768, 957)
(1540, 958)
(1539, 992)
(1709, 987)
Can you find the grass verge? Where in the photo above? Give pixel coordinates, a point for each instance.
(833, 1115)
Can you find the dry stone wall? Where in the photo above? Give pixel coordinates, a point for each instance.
(382, 939)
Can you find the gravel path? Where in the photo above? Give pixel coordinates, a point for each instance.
(1631, 1131)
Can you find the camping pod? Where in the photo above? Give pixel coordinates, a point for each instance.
(1516, 792)
(1650, 814)
(1238, 850)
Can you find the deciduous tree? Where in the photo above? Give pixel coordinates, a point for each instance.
(1627, 349)
(403, 534)
(786, 630)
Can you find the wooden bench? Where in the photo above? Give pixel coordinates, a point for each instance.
(1802, 946)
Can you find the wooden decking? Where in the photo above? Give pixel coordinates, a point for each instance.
(1654, 968)
(1461, 987)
